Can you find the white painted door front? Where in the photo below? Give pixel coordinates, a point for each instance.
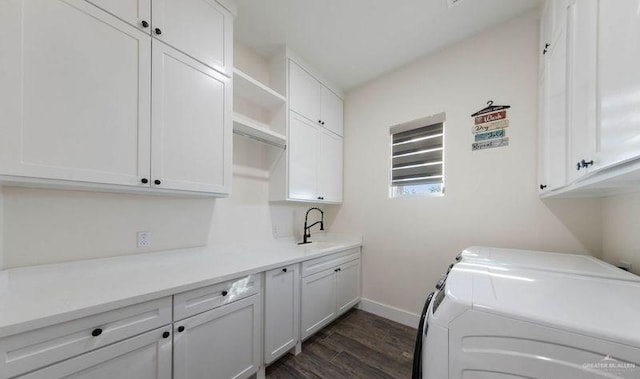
(221, 343)
(192, 129)
(75, 93)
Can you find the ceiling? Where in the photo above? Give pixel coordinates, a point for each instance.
(353, 41)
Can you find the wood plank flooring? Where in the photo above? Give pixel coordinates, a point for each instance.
(357, 345)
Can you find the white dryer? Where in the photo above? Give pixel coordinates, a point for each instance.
(504, 322)
(542, 260)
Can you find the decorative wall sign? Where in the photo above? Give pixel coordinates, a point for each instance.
(490, 135)
(481, 128)
(489, 125)
(488, 144)
(491, 117)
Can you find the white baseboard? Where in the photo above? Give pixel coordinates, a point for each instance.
(389, 312)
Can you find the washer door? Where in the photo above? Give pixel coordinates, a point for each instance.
(423, 327)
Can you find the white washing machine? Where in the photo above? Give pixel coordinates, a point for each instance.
(509, 321)
(541, 260)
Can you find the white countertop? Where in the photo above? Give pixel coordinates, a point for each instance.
(37, 296)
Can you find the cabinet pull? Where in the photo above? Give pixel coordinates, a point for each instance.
(224, 293)
(157, 182)
(166, 335)
(322, 122)
(320, 197)
(96, 332)
(284, 269)
(144, 24)
(180, 329)
(158, 31)
(319, 121)
(338, 269)
(543, 186)
(583, 164)
(144, 180)
(546, 46)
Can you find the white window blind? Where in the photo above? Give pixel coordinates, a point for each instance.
(417, 153)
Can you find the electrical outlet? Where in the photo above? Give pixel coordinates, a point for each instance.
(625, 265)
(144, 239)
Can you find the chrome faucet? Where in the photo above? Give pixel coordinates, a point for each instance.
(307, 229)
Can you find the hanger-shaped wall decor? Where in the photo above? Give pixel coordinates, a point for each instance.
(490, 108)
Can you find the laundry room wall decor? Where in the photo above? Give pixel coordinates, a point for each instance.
(489, 127)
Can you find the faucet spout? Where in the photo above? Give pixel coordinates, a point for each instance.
(306, 234)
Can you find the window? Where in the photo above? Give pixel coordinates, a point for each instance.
(417, 157)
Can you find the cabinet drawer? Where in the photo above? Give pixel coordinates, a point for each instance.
(203, 299)
(323, 263)
(34, 349)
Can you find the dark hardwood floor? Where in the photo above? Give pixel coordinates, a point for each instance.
(357, 345)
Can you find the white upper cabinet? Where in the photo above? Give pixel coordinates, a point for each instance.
(304, 93)
(332, 111)
(192, 127)
(313, 171)
(582, 57)
(75, 94)
(202, 29)
(311, 99)
(619, 82)
(330, 167)
(556, 106)
(135, 12)
(303, 158)
(75, 99)
(590, 132)
(315, 162)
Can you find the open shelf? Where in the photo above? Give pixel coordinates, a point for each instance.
(257, 93)
(251, 128)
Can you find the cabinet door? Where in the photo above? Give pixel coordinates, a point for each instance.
(191, 124)
(303, 158)
(221, 343)
(332, 109)
(281, 311)
(546, 23)
(348, 285)
(134, 12)
(318, 306)
(557, 105)
(202, 29)
(582, 42)
(619, 82)
(304, 93)
(147, 356)
(75, 93)
(330, 167)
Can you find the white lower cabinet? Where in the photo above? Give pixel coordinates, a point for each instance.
(225, 330)
(347, 286)
(318, 301)
(328, 293)
(221, 343)
(281, 311)
(147, 356)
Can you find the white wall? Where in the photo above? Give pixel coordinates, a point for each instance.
(46, 226)
(1, 228)
(620, 230)
(491, 196)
